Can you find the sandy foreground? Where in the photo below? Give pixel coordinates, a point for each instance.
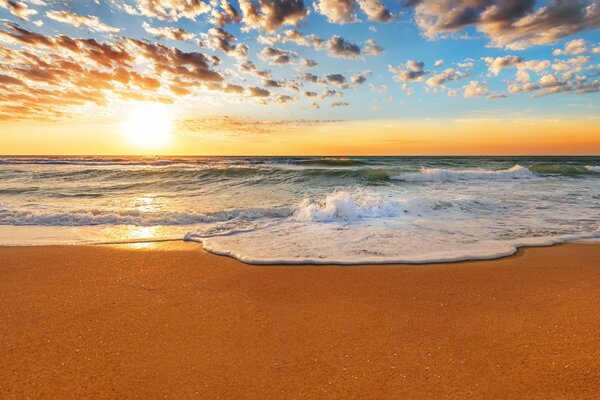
(170, 320)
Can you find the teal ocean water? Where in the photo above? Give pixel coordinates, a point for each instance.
(305, 209)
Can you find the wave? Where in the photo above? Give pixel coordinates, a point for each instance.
(133, 217)
(593, 168)
(452, 175)
(346, 206)
(183, 175)
(338, 206)
(559, 169)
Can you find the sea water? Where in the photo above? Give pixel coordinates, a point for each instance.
(305, 209)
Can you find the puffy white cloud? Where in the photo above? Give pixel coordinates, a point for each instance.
(219, 39)
(375, 10)
(372, 48)
(277, 56)
(344, 11)
(224, 13)
(412, 71)
(475, 89)
(168, 10)
(496, 64)
(576, 46)
(360, 78)
(449, 74)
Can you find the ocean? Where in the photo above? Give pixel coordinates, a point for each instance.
(343, 210)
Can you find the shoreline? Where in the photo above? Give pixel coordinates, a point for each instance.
(168, 319)
(147, 242)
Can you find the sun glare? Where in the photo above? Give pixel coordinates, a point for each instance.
(149, 125)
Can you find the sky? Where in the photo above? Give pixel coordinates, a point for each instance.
(339, 77)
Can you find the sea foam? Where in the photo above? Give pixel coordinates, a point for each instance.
(305, 209)
(593, 168)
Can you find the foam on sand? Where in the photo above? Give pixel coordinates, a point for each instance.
(360, 227)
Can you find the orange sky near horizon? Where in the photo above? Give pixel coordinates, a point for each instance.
(241, 137)
(295, 77)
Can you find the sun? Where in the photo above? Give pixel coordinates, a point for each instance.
(149, 125)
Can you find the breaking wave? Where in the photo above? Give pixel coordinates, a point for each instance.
(306, 209)
(595, 169)
(451, 175)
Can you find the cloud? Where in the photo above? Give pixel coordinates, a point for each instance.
(236, 89)
(89, 21)
(336, 46)
(249, 67)
(449, 74)
(372, 48)
(48, 76)
(336, 79)
(167, 32)
(10, 80)
(375, 10)
(284, 99)
(309, 63)
(277, 56)
(360, 78)
(339, 104)
(576, 46)
(255, 91)
(17, 8)
(311, 78)
(219, 39)
(330, 93)
(570, 80)
(381, 90)
(192, 65)
(475, 89)
(224, 14)
(168, 10)
(339, 47)
(343, 11)
(514, 24)
(226, 123)
(412, 71)
(496, 64)
(268, 15)
(337, 11)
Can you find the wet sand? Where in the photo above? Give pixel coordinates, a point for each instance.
(169, 320)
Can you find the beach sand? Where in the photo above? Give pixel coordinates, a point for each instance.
(169, 320)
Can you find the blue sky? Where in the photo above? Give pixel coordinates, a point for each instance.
(384, 94)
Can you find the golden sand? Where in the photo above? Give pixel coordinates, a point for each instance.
(172, 321)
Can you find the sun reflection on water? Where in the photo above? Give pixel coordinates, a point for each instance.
(145, 203)
(141, 236)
